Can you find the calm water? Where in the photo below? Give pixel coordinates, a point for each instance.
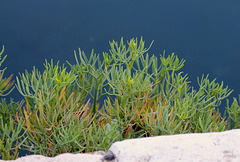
(205, 33)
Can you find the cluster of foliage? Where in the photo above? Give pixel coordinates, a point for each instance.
(140, 96)
(11, 136)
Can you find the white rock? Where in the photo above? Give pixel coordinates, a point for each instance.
(66, 157)
(222, 146)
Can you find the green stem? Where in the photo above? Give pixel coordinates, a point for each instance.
(95, 97)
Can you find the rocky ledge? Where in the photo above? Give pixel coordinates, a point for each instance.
(217, 146)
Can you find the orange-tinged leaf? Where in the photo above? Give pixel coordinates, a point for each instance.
(160, 114)
(27, 103)
(62, 93)
(143, 108)
(109, 109)
(150, 120)
(40, 94)
(35, 136)
(128, 128)
(117, 106)
(7, 82)
(185, 128)
(26, 115)
(196, 128)
(17, 117)
(216, 128)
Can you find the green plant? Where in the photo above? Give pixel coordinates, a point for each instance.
(56, 118)
(143, 96)
(11, 139)
(234, 113)
(91, 80)
(50, 100)
(11, 135)
(178, 108)
(5, 83)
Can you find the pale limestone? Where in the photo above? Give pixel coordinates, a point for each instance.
(221, 146)
(66, 157)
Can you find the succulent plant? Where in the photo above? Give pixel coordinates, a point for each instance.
(96, 102)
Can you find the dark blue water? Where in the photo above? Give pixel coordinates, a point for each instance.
(205, 33)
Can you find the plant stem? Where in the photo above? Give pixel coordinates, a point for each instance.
(95, 97)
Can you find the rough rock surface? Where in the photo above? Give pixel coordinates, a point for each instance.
(222, 146)
(66, 157)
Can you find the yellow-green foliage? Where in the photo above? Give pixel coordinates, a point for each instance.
(11, 137)
(127, 95)
(5, 83)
